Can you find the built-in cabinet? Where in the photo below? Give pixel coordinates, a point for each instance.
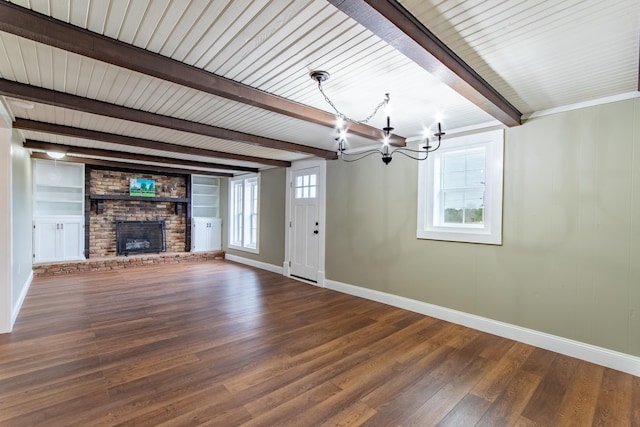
(206, 226)
(58, 211)
(206, 234)
(58, 239)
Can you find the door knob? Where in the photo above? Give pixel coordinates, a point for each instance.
(315, 231)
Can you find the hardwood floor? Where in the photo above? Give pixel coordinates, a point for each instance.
(221, 344)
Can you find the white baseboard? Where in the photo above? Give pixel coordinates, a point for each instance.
(25, 289)
(253, 263)
(591, 353)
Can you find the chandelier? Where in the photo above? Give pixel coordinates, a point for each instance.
(385, 151)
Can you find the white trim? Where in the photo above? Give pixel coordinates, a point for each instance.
(470, 128)
(6, 115)
(579, 105)
(321, 279)
(591, 353)
(540, 113)
(16, 308)
(253, 263)
(429, 225)
(6, 228)
(243, 178)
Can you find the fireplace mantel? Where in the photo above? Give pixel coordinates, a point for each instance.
(100, 198)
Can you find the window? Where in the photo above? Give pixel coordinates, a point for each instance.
(460, 190)
(243, 212)
(306, 186)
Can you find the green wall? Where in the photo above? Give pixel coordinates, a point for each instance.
(570, 260)
(272, 215)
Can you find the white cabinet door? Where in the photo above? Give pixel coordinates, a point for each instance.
(199, 234)
(58, 239)
(71, 244)
(216, 234)
(206, 234)
(45, 240)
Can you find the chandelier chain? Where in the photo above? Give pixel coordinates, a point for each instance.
(345, 117)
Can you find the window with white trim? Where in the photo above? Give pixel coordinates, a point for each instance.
(460, 190)
(244, 200)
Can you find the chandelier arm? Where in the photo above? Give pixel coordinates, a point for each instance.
(361, 155)
(438, 146)
(404, 153)
(404, 149)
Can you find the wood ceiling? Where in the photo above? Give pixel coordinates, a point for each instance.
(223, 86)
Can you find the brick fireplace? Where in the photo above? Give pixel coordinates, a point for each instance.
(109, 202)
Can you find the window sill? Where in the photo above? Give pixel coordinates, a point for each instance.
(243, 249)
(466, 236)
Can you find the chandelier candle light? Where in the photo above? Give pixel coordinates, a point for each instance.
(385, 152)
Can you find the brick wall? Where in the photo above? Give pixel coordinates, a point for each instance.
(102, 228)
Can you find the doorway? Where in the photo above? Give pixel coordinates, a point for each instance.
(306, 217)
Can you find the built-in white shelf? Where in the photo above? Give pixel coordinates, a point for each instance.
(58, 211)
(58, 188)
(205, 213)
(205, 194)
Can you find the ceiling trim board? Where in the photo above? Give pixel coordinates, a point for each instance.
(580, 105)
(92, 106)
(132, 166)
(32, 125)
(70, 149)
(44, 29)
(390, 21)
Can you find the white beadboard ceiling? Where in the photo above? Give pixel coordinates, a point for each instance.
(538, 54)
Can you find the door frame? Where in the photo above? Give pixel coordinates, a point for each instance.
(321, 164)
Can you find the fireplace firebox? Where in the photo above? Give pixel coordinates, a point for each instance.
(136, 237)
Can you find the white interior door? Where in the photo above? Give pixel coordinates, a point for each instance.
(305, 223)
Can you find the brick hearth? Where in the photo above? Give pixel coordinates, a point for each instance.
(103, 264)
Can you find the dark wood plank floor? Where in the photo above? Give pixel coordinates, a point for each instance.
(221, 344)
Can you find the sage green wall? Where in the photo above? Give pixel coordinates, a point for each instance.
(21, 249)
(570, 260)
(272, 216)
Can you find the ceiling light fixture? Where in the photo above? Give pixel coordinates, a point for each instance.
(55, 154)
(385, 151)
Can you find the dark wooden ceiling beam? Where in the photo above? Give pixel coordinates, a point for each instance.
(92, 106)
(70, 149)
(394, 24)
(132, 166)
(50, 128)
(43, 29)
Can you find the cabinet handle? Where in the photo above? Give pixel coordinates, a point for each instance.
(61, 226)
